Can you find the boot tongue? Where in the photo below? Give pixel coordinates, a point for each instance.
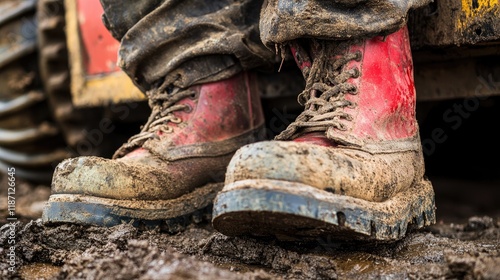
(139, 152)
(315, 139)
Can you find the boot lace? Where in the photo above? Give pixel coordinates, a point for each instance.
(324, 95)
(163, 104)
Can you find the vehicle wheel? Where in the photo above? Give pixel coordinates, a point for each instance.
(30, 139)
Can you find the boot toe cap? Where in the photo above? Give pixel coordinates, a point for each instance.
(105, 178)
(337, 170)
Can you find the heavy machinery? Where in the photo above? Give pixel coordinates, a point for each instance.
(44, 83)
(30, 140)
(62, 95)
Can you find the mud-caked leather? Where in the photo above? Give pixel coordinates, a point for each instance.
(350, 166)
(173, 167)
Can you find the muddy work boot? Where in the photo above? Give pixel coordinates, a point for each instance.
(167, 174)
(351, 166)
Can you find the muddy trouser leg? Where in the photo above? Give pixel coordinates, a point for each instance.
(186, 41)
(286, 20)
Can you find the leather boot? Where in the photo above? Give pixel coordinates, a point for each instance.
(172, 169)
(350, 166)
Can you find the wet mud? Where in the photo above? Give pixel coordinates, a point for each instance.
(466, 250)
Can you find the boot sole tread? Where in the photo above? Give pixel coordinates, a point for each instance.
(169, 215)
(294, 211)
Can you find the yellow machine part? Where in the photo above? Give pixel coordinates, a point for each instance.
(474, 9)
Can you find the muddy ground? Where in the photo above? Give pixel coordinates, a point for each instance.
(460, 246)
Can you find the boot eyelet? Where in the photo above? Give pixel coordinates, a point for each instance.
(166, 129)
(188, 109)
(359, 56)
(176, 120)
(194, 95)
(356, 73)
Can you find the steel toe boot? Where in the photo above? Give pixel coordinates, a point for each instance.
(169, 171)
(350, 166)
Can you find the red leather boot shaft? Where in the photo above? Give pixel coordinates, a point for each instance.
(213, 112)
(382, 104)
(385, 103)
(218, 111)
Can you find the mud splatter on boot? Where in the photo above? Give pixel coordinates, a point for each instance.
(350, 166)
(172, 169)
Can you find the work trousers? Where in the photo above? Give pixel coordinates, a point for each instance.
(187, 42)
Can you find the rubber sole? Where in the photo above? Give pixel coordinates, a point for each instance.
(293, 211)
(168, 215)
